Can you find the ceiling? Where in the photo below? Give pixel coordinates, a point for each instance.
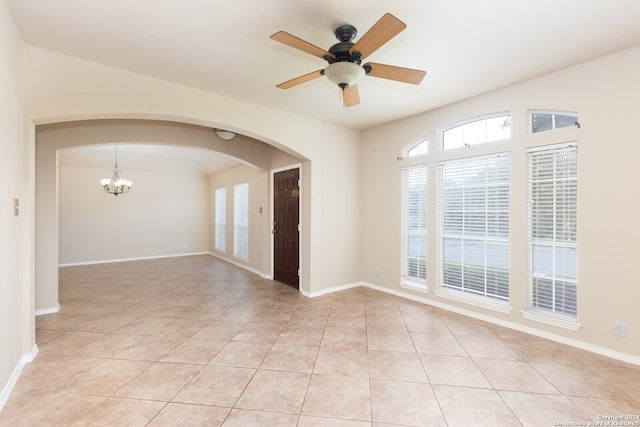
(148, 158)
(467, 47)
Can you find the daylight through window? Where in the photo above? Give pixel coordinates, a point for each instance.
(553, 188)
(418, 149)
(477, 132)
(241, 220)
(474, 226)
(414, 223)
(541, 121)
(220, 218)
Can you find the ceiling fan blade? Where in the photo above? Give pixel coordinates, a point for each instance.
(399, 74)
(350, 96)
(297, 43)
(382, 31)
(299, 80)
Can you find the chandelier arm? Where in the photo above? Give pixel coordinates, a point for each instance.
(116, 185)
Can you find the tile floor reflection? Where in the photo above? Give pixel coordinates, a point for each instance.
(195, 341)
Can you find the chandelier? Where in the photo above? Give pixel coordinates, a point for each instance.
(116, 185)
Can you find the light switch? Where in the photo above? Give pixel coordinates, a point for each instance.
(16, 207)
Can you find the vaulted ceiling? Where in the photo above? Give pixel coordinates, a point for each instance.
(467, 47)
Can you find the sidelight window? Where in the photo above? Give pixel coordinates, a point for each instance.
(220, 219)
(241, 220)
(414, 224)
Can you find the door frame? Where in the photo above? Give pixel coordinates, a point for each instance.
(300, 221)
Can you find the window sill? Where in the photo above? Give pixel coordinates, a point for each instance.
(414, 285)
(500, 307)
(551, 320)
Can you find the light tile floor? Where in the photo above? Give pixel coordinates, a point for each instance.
(194, 341)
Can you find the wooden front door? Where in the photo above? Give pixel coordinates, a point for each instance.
(286, 239)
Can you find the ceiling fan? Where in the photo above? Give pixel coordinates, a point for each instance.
(345, 58)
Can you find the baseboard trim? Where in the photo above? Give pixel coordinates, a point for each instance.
(240, 264)
(109, 261)
(331, 290)
(49, 310)
(603, 351)
(8, 388)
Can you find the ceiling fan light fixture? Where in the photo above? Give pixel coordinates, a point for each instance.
(225, 134)
(344, 74)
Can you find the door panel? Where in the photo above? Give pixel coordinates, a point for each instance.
(285, 228)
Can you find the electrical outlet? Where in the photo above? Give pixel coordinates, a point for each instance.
(620, 329)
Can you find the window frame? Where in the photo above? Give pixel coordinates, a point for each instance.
(241, 221)
(220, 220)
(553, 114)
(423, 142)
(462, 124)
(541, 314)
(408, 280)
(500, 304)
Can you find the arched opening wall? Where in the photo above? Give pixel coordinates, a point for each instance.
(74, 89)
(168, 214)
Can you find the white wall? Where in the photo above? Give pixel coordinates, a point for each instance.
(605, 93)
(161, 214)
(16, 335)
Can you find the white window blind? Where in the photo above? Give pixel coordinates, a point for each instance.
(220, 218)
(553, 188)
(474, 226)
(414, 223)
(241, 220)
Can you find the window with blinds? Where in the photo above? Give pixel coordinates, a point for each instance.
(220, 218)
(473, 225)
(241, 220)
(414, 223)
(553, 188)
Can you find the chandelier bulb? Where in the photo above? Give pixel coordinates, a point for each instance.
(116, 185)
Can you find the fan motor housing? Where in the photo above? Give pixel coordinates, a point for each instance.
(341, 51)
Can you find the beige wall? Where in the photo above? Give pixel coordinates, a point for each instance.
(341, 211)
(605, 93)
(350, 222)
(62, 95)
(16, 312)
(161, 215)
(64, 222)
